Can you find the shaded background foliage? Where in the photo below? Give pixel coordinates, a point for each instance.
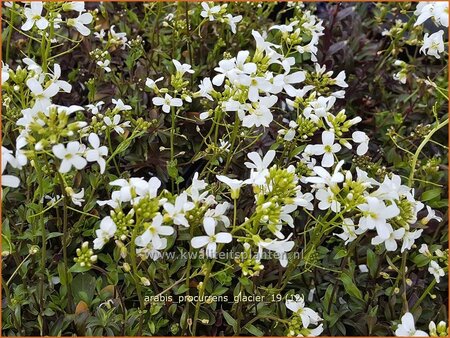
(394, 116)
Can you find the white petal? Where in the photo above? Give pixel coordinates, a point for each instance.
(59, 150)
(327, 160)
(199, 241)
(210, 226)
(94, 140)
(223, 237)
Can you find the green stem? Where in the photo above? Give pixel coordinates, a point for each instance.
(65, 240)
(427, 291)
(201, 294)
(17, 269)
(419, 150)
(233, 141)
(8, 43)
(135, 276)
(172, 149)
(188, 277)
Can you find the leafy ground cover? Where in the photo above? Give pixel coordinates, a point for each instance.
(224, 168)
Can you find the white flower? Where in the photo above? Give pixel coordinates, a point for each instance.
(70, 156)
(211, 240)
(259, 112)
(9, 180)
(391, 188)
(74, 6)
(218, 213)
(127, 188)
(167, 102)
(308, 315)
(77, 198)
(279, 247)
(209, 12)
(402, 75)
(117, 38)
(363, 139)
(21, 158)
(206, 88)
(327, 148)
(42, 97)
(410, 238)
(431, 215)
(8, 158)
(182, 68)
(107, 230)
(319, 108)
(255, 84)
(234, 184)
(96, 153)
(104, 65)
(407, 329)
(325, 178)
(33, 15)
(79, 23)
(146, 188)
(226, 68)
(95, 108)
(433, 44)
(151, 250)
(5, 72)
(285, 28)
(178, 210)
(304, 200)
(363, 268)
(374, 215)
(327, 200)
(436, 10)
(259, 166)
(120, 106)
(390, 242)
(196, 188)
(285, 81)
(316, 331)
(152, 84)
(436, 271)
(232, 21)
(264, 46)
(339, 80)
(63, 85)
(115, 123)
(153, 232)
(424, 250)
(242, 66)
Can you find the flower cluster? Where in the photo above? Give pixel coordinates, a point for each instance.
(302, 318)
(433, 44)
(212, 12)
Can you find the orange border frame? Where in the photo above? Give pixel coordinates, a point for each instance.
(331, 1)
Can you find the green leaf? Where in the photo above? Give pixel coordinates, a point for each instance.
(372, 262)
(54, 234)
(350, 286)
(253, 330)
(421, 260)
(341, 253)
(172, 169)
(77, 268)
(431, 194)
(230, 320)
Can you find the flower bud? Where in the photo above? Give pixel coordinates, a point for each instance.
(33, 250)
(145, 281)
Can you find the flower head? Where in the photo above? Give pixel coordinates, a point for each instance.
(211, 239)
(70, 156)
